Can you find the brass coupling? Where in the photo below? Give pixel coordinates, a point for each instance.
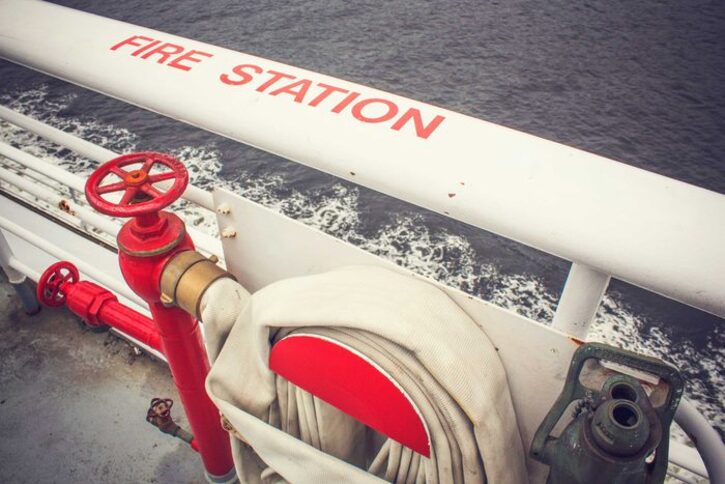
(186, 278)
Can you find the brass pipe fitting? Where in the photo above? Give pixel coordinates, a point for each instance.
(159, 415)
(186, 278)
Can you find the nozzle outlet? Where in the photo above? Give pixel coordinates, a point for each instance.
(620, 427)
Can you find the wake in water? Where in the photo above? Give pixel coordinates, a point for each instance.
(407, 240)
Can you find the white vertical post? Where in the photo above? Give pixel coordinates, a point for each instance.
(14, 276)
(17, 278)
(583, 291)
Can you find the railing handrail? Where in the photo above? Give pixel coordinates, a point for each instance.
(657, 233)
(89, 150)
(204, 241)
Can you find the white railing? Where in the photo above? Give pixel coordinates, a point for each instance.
(88, 150)
(608, 218)
(578, 304)
(583, 291)
(62, 254)
(46, 170)
(32, 179)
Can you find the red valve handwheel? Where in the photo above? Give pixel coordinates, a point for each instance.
(140, 196)
(50, 284)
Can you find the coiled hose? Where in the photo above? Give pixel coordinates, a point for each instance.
(410, 329)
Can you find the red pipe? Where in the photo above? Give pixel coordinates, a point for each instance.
(142, 260)
(146, 243)
(172, 332)
(136, 325)
(98, 306)
(184, 350)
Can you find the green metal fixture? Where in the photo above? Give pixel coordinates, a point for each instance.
(618, 433)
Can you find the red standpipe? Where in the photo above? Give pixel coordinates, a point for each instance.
(146, 243)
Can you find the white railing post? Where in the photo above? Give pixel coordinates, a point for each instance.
(6, 254)
(17, 279)
(583, 291)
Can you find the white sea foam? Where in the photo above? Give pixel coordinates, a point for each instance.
(432, 252)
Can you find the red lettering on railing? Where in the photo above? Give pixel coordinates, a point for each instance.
(172, 55)
(364, 109)
(421, 130)
(276, 76)
(297, 89)
(188, 56)
(392, 110)
(244, 77)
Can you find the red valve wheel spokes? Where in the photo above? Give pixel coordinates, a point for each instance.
(50, 284)
(140, 196)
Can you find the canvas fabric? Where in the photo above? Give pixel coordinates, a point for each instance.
(412, 330)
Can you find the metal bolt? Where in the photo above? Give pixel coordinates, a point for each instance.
(229, 233)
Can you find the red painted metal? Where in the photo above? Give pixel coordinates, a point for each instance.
(48, 289)
(351, 383)
(146, 243)
(97, 306)
(141, 195)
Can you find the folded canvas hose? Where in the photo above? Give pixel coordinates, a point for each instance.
(440, 358)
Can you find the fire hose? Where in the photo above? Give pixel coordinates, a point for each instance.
(410, 330)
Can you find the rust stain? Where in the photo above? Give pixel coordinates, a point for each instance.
(577, 341)
(352, 173)
(463, 184)
(63, 205)
(451, 195)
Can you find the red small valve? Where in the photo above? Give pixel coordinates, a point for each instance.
(50, 285)
(140, 195)
(98, 307)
